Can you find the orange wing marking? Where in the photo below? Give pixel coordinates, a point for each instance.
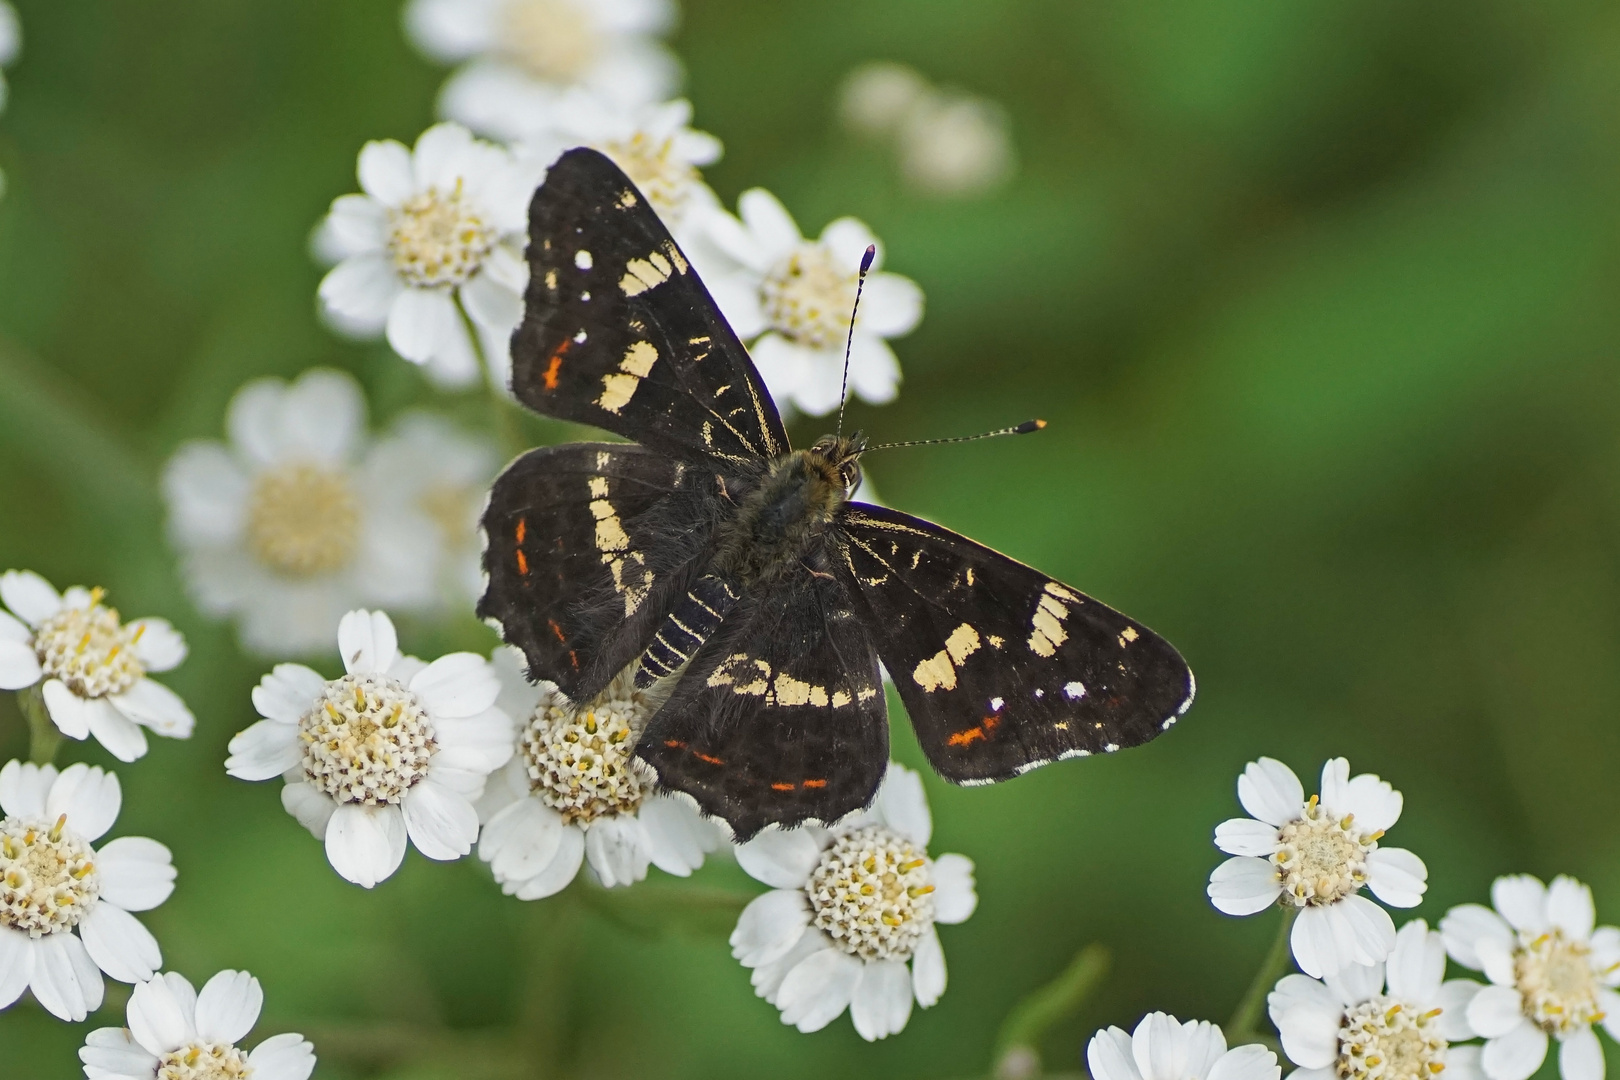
(573, 659)
(783, 787)
(522, 529)
(523, 563)
(555, 365)
(964, 738)
(815, 783)
(555, 629)
(710, 760)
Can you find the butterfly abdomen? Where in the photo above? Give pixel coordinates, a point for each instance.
(780, 521)
(697, 616)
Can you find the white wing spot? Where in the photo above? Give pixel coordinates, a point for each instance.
(996, 704)
(1039, 692)
(579, 338)
(1111, 747)
(583, 260)
(1075, 690)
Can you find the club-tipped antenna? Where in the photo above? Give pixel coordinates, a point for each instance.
(1018, 429)
(849, 341)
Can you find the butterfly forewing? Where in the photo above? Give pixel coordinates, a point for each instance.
(1001, 667)
(618, 331)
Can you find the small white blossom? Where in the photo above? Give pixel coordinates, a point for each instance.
(395, 748)
(1164, 1048)
(177, 1033)
(792, 298)
(1552, 974)
(522, 55)
(438, 232)
(53, 882)
(92, 668)
(849, 907)
(289, 525)
(574, 793)
(1316, 856)
(949, 144)
(1391, 1021)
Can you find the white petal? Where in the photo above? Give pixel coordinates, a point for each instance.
(441, 823)
(1270, 792)
(265, 750)
(19, 665)
(881, 1004)
(1516, 1055)
(819, 989)
(674, 834)
(491, 304)
(122, 737)
(1251, 1062)
(1464, 925)
(360, 291)
(283, 1057)
(1606, 950)
(313, 809)
(1322, 944)
(1356, 982)
(16, 964)
(767, 978)
(1522, 901)
(1453, 1000)
(385, 172)
(228, 1007)
(1205, 1048)
(1335, 786)
(454, 362)
(1608, 1001)
(66, 981)
(1496, 960)
(617, 849)
(69, 712)
(365, 844)
(153, 705)
(161, 647)
(24, 787)
(954, 898)
(367, 642)
(207, 492)
(1569, 908)
(1159, 1047)
(90, 797)
(786, 368)
(891, 305)
(1246, 836)
(287, 692)
(770, 926)
(162, 1013)
(1306, 1014)
(460, 684)
(29, 596)
(1580, 1057)
(781, 858)
(1109, 1056)
(1243, 886)
(874, 370)
(1417, 963)
(1464, 1061)
(770, 227)
(119, 944)
(1397, 877)
(902, 805)
(559, 871)
(1495, 1011)
(13, 629)
(137, 874)
(321, 416)
(928, 974)
(355, 225)
(420, 322)
(113, 1054)
(440, 155)
(846, 240)
(738, 297)
(1373, 929)
(521, 840)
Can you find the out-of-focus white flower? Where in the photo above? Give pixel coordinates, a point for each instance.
(792, 298)
(1391, 1021)
(176, 1033)
(53, 882)
(877, 97)
(574, 793)
(439, 233)
(849, 907)
(1164, 1048)
(524, 54)
(949, 143)
(287, 527)
(395, 748)
(1316, 856)
(92, 668)
(1551, 972)
(435, 477)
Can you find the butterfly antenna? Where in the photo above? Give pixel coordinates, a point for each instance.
(860, 283)
(1019, 429)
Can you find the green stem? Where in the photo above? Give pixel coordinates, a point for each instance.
(1017, 1054)
(44, 737)
(1241, 1028)
(502, 419)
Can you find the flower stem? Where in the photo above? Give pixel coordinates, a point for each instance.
(44, 737)
(1241, 1028)
(502, 421)
(1016, 1055)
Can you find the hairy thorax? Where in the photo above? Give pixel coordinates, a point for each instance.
(779, 522)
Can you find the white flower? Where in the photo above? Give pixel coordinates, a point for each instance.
(436, 478)
(94, 667)
(10, 44)
(53, 882)
(439, 231)
(949, 144)
(526, 53)
(1390, 1021)
(849, 907)
(793, 298)
(574, 793)
(1316, 856)
(1164, 1048)
(1551, 974)
(176, 1033)
(393, 748)
(286, 528)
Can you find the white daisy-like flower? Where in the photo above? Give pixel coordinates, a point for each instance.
(1392, 1021)
(91, 668)
(949, 144)
(436, 477)
(287, 527)
(53, 882)
(1316, 856)
(1164, 1048)
(436, 241)
(394, 748)
(849, 907)
(574, 793)
(523, 54)
(176, 1033)
(792, 299)
(1552, 974)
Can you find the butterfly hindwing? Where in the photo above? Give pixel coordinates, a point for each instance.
(584, 545)
(619, 333)
(780, 717)
(1000, 667)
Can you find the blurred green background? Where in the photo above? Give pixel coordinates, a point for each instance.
(1320, 300)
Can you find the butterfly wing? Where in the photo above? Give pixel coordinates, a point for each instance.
(1001, 667)
(619, 333)
(780, 717)
(584, 546)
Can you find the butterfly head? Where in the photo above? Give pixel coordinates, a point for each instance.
(842, 457)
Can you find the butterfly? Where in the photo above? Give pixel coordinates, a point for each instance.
(739, 573)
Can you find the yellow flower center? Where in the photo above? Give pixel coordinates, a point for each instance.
(48, 879)
(872, 894)
(808, 297)
(204, 1061)
(303, 520)
(581, 761)
(1385, 1039)
(1557, 982)
(89, 649)
(666, 180)
(367, 740)
(438, 238)
(1321, 859)
(554, 40)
